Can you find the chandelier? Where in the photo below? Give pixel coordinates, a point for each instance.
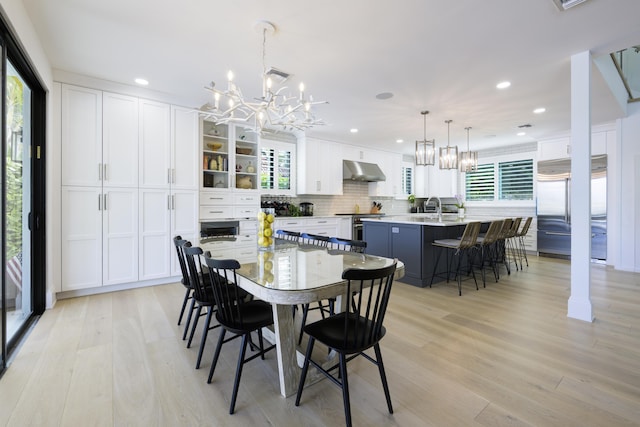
(468, 159)
(448, 154)
(273, 109)
(425, 150)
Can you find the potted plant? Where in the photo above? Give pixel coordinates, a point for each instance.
(460, 205)
(412, 200)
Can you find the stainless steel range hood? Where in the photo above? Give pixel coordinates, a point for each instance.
(361, 171)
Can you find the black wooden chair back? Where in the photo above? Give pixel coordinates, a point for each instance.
(229, 301)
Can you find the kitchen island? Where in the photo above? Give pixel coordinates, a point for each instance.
(409, 238)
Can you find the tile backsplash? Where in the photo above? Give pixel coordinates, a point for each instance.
(353, 193)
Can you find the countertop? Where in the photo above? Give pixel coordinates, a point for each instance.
(448, 220)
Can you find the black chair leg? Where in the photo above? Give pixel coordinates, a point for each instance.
(261, 343)
(305, 368)
(345, 388)
(383, 377)
(195, 324)
(236, 384)
(205, 332)
(189, 315)
(214, 362)
(305, 312)
(187, 296)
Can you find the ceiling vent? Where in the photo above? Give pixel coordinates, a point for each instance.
(278, 76)
(567, 4)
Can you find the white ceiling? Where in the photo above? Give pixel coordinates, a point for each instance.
(439, 55)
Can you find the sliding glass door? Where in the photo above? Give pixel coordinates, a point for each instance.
(22, 193)
(17, 188)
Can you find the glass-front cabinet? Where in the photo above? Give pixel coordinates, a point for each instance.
(230, 157)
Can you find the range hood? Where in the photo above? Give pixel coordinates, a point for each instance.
(361, 171)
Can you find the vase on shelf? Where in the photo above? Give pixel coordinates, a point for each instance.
(460, 212)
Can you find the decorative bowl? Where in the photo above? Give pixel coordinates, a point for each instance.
(214, 146)
(243, 150)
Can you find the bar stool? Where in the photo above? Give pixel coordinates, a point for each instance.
(488, 249)
(520, 236)
(501, 255)
(510, 245)
(461, 247)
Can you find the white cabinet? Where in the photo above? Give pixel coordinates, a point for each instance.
(155, 144)
(391, 165)
(323, 226)
(319, 167)
(119, 140)
(433, 181)
(81, 136)
(99, 237)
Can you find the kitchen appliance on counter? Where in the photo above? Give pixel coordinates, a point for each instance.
(356, 223)
(306, 209)
(554, 207)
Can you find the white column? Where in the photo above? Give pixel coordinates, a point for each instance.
(579, 306)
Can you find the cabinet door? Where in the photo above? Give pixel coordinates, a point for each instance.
(442, 182)
(119, 140)
(155, 144)
(81, 232)
(81, 135)
(319, 167)
(184, 221)
(155, 240)
(120, 236)
(406, 244)
(185, 152)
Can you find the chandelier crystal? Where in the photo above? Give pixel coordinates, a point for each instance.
(425, 149)
(468, 159)
(448, 154)
(274, 109)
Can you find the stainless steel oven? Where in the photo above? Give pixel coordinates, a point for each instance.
(356, 223)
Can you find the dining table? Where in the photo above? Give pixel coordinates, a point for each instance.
(287, 274)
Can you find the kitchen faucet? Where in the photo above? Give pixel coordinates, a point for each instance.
(438, 207)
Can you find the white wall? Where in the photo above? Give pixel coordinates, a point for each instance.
(628, 170)
(25, 32)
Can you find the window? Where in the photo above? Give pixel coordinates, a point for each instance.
(407, 180)
(510, 180)
(479, 185)
(515, 180)
(277, 165)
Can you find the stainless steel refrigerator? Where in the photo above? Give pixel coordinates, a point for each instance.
(554, 207)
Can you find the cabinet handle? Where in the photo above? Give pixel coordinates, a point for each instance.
(173, 202)
(168, 175)
(168, 202)
(173, 176)
(105, 172)
(99, 171)
(214, 212)
(105, 201)
(99, 202)
(215, 198)
(322, 222)
(317, 185)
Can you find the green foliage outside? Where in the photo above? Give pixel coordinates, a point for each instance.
(14, 168)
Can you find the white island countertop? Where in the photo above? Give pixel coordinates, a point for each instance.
(448, 220)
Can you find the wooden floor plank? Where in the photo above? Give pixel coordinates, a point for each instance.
(505, 355)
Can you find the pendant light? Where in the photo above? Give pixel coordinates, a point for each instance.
(468, 159)
(448, 154)
(425, 150)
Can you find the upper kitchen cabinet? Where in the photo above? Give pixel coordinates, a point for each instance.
(119, 140)
(319, 167)
(168, 146)
(560, 148)
(229, 157)
(81, 136)
(433, 181)
(99, 138)
(391, 165)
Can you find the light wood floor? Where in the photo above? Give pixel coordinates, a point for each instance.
(504, 355)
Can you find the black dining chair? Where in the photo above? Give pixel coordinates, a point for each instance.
(292, 236)
(352, 332)
(179, 242)
(347, 245)
(236, 315)
(202, 295)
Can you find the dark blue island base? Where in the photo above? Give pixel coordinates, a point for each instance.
(411, 243)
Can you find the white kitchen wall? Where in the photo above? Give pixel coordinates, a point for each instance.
(353, 193)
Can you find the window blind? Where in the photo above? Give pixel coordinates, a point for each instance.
(515, 180)
(480, 184)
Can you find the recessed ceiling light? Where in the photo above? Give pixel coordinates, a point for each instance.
(521, 133)
(353, 130)
(503, 85)
(539, 110)
(142, 82)
(399, 141)
(384, 95)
